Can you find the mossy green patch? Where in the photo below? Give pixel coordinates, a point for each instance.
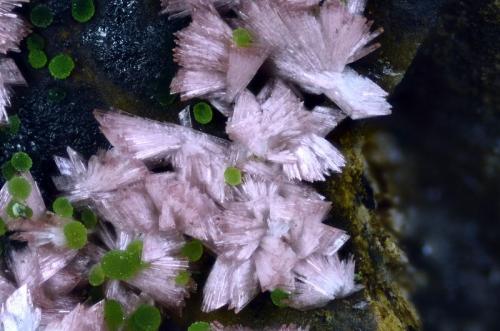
(96, 275)
(8, 171)
(199, 326)
(61, 66)
(62, 207)
(232, 176)
(89, 218)
(41, 16)
(193, 250)
(120, 265)
(17, 209)
(82, 10)
(3, 227)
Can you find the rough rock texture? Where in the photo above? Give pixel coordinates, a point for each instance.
(122, 59)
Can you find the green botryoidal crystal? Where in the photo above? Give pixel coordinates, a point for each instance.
(8, 171)
(41, 16)
(183, 278)
(17, 209)
(35, 42)
(232, 176)
(242, 38)
(144, 318)
(193, 250)
(113, 315)
(203, 113)
(279, 297)
(62, 207)
(96, 275)
(199, 326)
(61, 66)
(37, 58)
(14, 125)
(120, 265)
(82, 10)
(19, 188)
(75, 234)
(21, 161)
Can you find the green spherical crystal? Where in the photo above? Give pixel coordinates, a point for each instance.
(82, 10)
(41, 16)
(89, 218)
(19, 188)
(242, 37)
(279, 297)
(232, 176)
(37, 58)
(75, 234)
(8, 171)
(144, 318)
(61, 66)
(203, 113)
(193, 250)
(3, 227)
(96, 275)
(62, 207)
(21, 161)
(183, 278)
(120, 265)
(16, 209)
(113, 315)
(199, 326)
(35, 41)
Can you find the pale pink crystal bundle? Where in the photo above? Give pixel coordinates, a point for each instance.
(314, 50)
(13, 29)
(212, 66)
(180, 8)
(278, 129)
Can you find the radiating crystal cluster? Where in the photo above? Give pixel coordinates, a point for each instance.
(12, 30)
(164, 189)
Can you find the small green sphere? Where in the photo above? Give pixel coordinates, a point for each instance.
(41, 16)
(16, 209)
(120, 265)
(96, 275)
(193, 250)
(279, 297)
(19, 188)
(62, 207)
(232, 176)
(14, 124)
(3, 227)
(182, 279)
(75, 234)
(89, 218)
(37, 58)
(203, 113)
(82, 10)
(21, 161)
(199, 326)
(61, 66)
(8, 171)
(242, 38)
(35, 41)
(113, 315)
(144, 318)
